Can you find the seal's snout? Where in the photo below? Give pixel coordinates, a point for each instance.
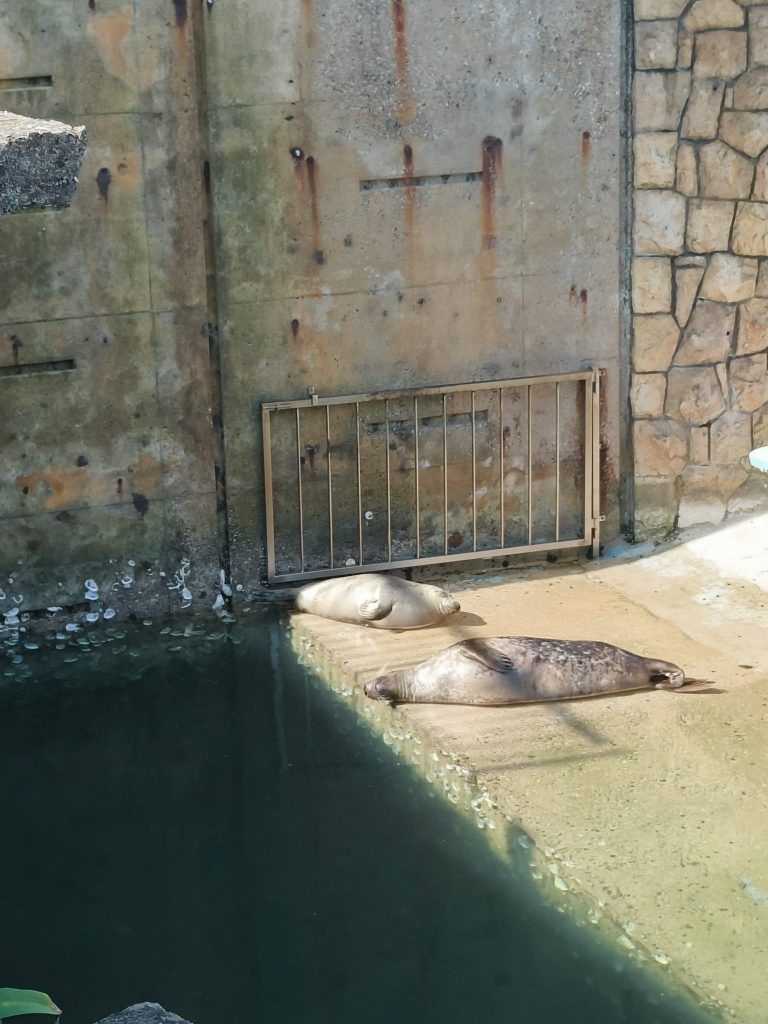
(449, 605)
(668, 680)
(381, 688)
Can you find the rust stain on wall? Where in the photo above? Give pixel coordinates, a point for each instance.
(492, 169)
(56, 486)
(145, 472)
(129, 170)
(586, 145)
(103, 179)
(140, 503)
(313, 208)
(110, 32)
(297, 156)
(298, 356)
(180, 9)
(308, 23)
(409, 200)
(404, 108)
(586, 149)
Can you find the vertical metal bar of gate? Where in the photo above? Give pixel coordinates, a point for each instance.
(589, 464)
(557, 461)
(474, 474)
(330, 479)
(530, 465)
(445, 477)
(359, 487)
(597, 518)
(416, 473)
(266, 430)
(590, 534)
(298, 477)
(389, 486)
(501, 467)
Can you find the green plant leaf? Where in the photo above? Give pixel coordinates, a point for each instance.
(16, 1001)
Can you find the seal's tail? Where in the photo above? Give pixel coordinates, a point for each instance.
(699, 686)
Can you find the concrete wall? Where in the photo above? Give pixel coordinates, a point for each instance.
(110, 462)
(306, 278)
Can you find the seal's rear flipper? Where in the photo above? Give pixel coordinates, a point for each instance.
(488, 656)
(699, 686)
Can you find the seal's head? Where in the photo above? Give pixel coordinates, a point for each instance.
(445, 603)
(671, 680)
(383, 688)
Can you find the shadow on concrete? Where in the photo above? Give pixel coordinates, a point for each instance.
(539, 762)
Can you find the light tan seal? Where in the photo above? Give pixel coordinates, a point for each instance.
(521, 669)
(386, 602)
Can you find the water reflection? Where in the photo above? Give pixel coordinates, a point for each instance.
(195, 821)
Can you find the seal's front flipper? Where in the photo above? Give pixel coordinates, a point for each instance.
(489, 657)
(374, 609)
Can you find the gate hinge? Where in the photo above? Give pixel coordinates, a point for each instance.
(315, 398)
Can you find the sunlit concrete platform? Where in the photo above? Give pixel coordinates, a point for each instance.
(653, 804)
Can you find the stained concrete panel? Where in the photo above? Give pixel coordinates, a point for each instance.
(107, 387)
(93, 256)
(399, 284)
(328, 219)
(173, 198)
(66, 440)
(318, 282)
(69, 444)
(115, 56)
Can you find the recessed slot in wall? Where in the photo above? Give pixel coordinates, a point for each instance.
(399, 427)
(382, 184)
(26, 82)
(29, 369)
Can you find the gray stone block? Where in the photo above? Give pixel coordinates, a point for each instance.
(39, 162)
(143, 1013)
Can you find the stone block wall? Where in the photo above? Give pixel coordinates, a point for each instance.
(699, 392)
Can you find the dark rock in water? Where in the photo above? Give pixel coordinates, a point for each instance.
(39, 162)
(143, 1013)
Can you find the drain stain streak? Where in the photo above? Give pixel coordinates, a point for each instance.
(492, 150)
(312, 182)
(404, 106)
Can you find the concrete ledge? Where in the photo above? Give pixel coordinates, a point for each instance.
(39, 162)
(651, 805)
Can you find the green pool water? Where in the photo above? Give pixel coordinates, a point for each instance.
(195, 820)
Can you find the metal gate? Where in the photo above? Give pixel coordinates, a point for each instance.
(430, 475)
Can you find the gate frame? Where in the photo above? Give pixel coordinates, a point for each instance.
(592, 516)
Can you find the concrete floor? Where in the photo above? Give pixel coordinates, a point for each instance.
(653, 804)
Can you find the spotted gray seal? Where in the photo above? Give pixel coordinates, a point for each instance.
(386, 602)
(520, 669)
